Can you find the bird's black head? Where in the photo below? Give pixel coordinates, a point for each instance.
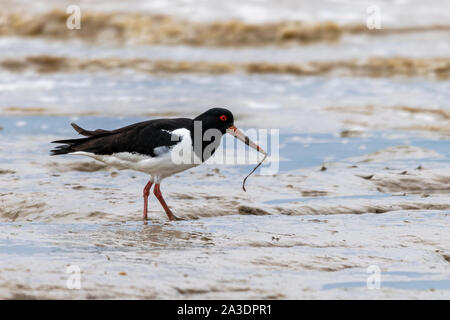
(216, 118)
(221, 120)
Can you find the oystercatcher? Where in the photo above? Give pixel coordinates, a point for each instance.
(159, 147)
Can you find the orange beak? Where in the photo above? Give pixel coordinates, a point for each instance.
(235, 132)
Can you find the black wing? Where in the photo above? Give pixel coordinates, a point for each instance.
(142, 138)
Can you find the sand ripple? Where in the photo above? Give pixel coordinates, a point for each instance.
(129, 27)
(438, 68)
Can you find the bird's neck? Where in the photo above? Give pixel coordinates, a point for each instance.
(205, 141)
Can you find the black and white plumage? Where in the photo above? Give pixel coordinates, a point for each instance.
(149, 146)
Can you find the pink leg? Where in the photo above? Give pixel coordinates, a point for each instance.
(146, 193)
(158, 195)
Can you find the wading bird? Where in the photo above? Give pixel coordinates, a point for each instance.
(159, 147)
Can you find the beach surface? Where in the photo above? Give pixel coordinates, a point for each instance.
(353, 203)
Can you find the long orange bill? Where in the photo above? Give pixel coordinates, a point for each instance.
(235, 132)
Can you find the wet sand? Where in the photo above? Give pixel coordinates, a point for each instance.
(309, 231)
(364, 158)
(237, 257)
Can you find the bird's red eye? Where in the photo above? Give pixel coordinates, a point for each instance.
(223, 117)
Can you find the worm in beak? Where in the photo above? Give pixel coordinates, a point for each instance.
(235, 132)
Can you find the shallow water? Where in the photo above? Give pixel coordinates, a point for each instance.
(360, 154)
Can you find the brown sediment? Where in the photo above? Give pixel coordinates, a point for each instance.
(83, 166)
(314, 193)
(371, 67)
(440, 118)
(318, 265)
(126, 27)
(438, 68)
(20, 209)
(368, 177)
(351, 133)
(251, 211)
(442, 113)
(78, 187)
(28, 110)
(195, 291)
(182, 196)
(46, 64)
(192, 291)
(364, 110)
(414, 183)
(7, 171)
(445, 130)
(327, 208)
(22, 296)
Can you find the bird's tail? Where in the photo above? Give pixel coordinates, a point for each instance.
(73, 145)
(66, 146)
